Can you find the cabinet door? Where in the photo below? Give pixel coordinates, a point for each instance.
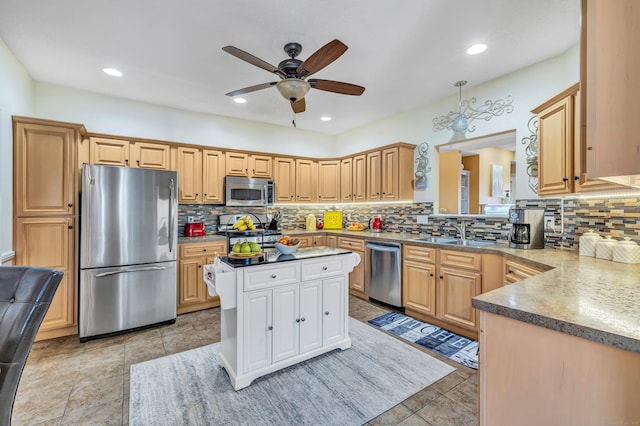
(334, 296)
(419, 282)
(306, 181)
(237, 164)
(258, 329)
(284, 171)
(310, 316)
(331, 241)
(555, 144)
(457, 288)
(346, 178)
(374, 176)
(261, 166)
(356, 277)
(49, 243)
(213, 176)
(190, 281)
(359, 180)
(328, 180)
(189, 175)
(109, 152)
(44, 170)
(319, 240)
(150, 156)
(305, 240)
(390, 183)
(286, 322)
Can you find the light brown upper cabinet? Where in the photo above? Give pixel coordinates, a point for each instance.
(346, 179)
(284, 172)
(246, 165)
(200, 176)
(374, 176)
(359, 180)
(306, 180)
(120, 152)
(611, 68)
(44, 169)
(329, 180)
(397, 173)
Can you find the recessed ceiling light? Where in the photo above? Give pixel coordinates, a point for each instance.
(240, 100)
(112, 72)
(476, 48)
(325, 118)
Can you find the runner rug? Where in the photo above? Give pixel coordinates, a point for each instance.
(455, 347)
(347, 387)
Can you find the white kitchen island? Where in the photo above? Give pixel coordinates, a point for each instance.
(281, 310)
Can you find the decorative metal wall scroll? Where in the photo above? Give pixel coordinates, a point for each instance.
(485, 112)
(422, 166)
(531, 150)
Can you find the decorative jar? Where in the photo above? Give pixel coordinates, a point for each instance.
(626, 251)
(587, 243)
(604, 248)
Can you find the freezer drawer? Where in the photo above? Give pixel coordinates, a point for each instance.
(121, 298)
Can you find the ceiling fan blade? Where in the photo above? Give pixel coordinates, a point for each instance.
(336, 87)
(248, 57)
(299, 106)
(322, 57)
(251, 89)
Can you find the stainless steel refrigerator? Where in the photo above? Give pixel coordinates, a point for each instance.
(128, 243)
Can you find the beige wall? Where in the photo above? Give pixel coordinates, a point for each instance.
(488, 157)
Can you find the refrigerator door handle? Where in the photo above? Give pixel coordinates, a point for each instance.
(150, 268)
(171, 213)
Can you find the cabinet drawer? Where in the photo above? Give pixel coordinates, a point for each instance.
(418, 253)
(320, 268)
(191, 250)
(351, 243)
(258, 277)
(514, 272)
(461, 259)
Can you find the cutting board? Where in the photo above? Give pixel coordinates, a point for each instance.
(332, 220)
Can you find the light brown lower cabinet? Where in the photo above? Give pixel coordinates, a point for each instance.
(49, 242)
(193, 294)
(356, 277)
(311, 240)
(516, 271)
(419, 278)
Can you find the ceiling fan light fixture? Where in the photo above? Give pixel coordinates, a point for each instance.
(240, 100)
(460, 123)
(293, 89)
(112, 72)
(325, 118)
(476, 48)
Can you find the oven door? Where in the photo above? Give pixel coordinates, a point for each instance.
(245, 191)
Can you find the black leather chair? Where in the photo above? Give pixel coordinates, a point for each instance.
(25, 296)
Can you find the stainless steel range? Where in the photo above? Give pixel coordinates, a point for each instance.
(263, 236)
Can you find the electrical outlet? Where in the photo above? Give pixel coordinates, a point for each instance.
(423, 219)
(191, 219)
(549, 223)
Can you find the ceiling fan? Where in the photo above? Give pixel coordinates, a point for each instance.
(293, 72)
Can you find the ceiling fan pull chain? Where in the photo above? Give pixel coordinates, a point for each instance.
(293, 121)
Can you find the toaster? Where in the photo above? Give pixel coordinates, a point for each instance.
(195, 229)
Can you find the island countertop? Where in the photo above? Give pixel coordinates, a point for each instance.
(272, 256)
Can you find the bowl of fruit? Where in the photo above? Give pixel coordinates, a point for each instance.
(287, 245)
(245, 249)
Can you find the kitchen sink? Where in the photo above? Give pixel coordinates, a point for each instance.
(470, 243)
(441, 240)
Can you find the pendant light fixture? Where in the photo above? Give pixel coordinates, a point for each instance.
(460, 123)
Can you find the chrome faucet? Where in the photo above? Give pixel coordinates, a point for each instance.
(462, 228)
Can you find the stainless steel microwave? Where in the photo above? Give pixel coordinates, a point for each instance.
(242, 191)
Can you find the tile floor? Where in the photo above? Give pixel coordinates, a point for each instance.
(67, 382)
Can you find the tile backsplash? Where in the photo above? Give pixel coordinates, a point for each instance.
(610, 214)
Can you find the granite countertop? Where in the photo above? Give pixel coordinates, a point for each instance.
(211, 238)
(273, 256)
(591, 298)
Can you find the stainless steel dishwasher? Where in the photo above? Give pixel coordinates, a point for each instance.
(383, 276)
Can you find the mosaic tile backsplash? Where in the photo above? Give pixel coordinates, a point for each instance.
(614, 215)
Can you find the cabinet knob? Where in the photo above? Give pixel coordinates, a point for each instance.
(70, 227)
(204, 249)
(197, 194)
(273, 276)
(383, 193)
(292, 196)
(199, 266)
(324, 268)
(70, 205)
(297, 319)
(441, 277)
(302, 319)
(138, 161)
(326, 312)
(126, 161)
(564, 179)
(430, 275)
(205, 194)
(270, 327)
(510, 271)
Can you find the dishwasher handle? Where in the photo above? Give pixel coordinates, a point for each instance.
(381, 247)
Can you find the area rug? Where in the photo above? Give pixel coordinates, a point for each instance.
(455, 347)
(347, 387)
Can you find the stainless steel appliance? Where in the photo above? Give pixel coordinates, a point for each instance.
(527, 229)
(266, 237)
(128, 243)
(248, 192)
(382, 277)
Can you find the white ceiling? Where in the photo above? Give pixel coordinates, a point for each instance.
(406, 53)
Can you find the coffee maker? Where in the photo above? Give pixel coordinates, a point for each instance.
(527, 230)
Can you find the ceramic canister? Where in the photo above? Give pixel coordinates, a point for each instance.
(587, 243)
(604, 248)
(626, 251)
